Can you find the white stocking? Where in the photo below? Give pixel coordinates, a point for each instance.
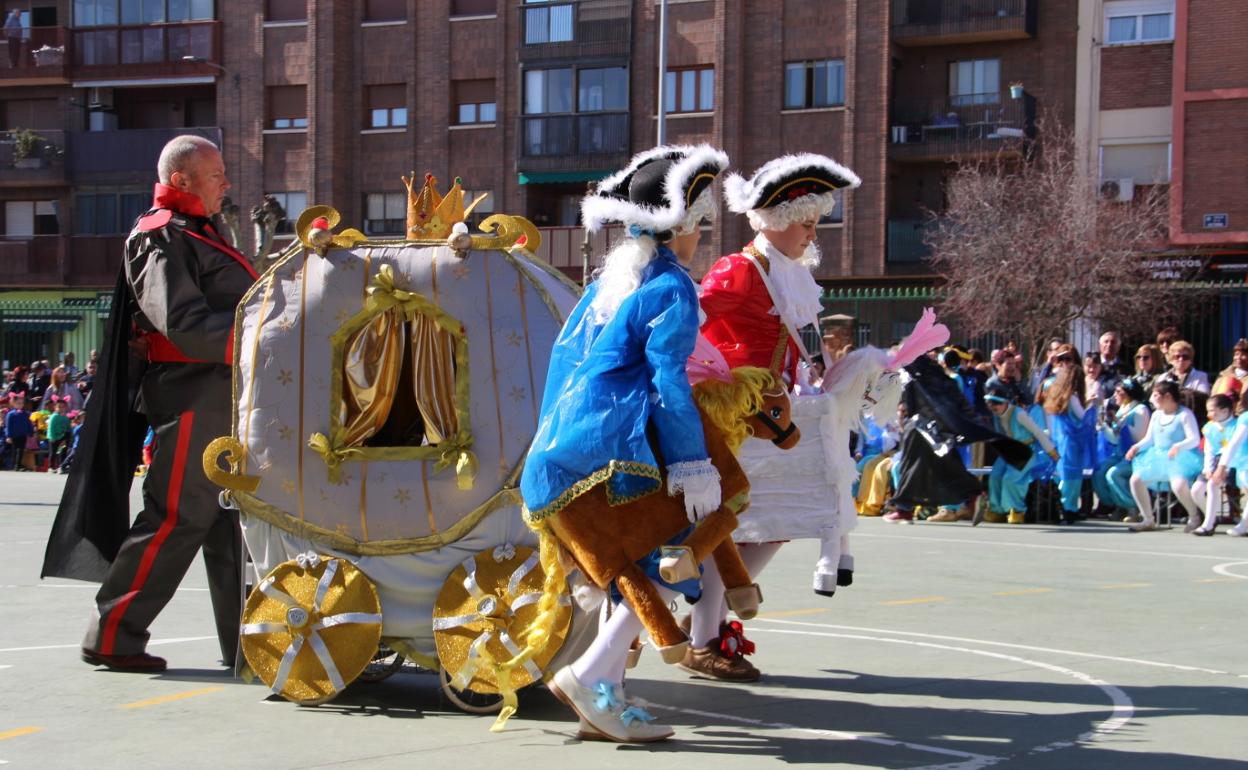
(1183, 493)
(1139, 493)
(712, 610)
(607, 655)
(1213, 505)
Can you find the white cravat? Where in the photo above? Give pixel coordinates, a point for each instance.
(798, 295)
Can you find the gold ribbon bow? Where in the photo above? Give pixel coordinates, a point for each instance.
(333, 456)
(384, 293)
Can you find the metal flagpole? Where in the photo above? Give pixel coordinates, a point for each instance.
(662, 127)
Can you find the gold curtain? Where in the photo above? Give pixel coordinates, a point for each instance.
(371, 365)
(433, 370)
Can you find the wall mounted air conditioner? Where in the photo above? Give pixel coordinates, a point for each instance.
(1121, 190)
(100, 98)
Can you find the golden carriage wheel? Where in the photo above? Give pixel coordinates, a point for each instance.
(478, 618)
(310, 627)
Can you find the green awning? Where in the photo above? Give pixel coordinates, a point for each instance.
(551, 177)
(29, 323)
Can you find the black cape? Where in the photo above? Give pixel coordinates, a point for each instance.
(94, 516)
(941, 420)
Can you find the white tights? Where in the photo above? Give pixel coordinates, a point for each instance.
(1209, 497)
(608, 653)
(711, 610)
(1178, 485)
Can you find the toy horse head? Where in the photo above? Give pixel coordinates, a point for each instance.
(754, 404)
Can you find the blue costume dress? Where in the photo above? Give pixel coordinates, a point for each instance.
(1238, 461)
(1007, 485)
(1112, 479)
(1154, 465)
(612, 385)
(1075, 438)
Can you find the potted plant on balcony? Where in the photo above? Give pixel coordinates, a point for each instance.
(27, 148)
(1016, 90)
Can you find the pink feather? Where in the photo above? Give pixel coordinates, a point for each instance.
(707, 363)
(927, 334)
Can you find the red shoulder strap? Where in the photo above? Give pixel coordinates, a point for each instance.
(155, 220)
(221, 246)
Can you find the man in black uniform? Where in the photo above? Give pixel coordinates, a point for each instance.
(181, 285)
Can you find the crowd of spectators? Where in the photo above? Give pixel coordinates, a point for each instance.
(42, 408)
(1113, 436)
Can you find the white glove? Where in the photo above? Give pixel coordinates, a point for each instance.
(699, 481)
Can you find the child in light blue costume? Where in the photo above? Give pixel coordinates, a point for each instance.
(1168, 454)
(1235, 457)
(1007, 485)
(1071, 426)
(1112, 480)
(617, 379)
(1206, 494)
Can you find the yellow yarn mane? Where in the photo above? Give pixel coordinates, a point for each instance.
(727, 405)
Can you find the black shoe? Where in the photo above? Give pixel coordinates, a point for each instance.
(844, 577)
(139, 662)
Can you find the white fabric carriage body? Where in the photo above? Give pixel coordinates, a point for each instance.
(407, 522)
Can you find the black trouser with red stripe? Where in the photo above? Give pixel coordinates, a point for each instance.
(188, 406)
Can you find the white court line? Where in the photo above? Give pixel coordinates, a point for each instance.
(834, 734)
(1224, 569)
(1122, 712)
(1116, 551)
(175, 640)
(1123, 707)
(1028, 647)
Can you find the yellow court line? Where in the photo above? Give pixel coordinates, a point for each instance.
(1023, 592)
(170, 698)
(922, 600)
(791, 613)
(1113, 586)
(1217, 580)
(18, 732)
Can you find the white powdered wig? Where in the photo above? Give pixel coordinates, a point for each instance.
(744, 196)
(620, 275)
(703, 208)
(600, 209)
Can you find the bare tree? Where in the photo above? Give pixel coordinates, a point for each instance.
(1029, 245)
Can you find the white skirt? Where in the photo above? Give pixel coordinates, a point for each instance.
(806, 491)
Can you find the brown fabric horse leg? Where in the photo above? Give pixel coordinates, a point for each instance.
(711, 531)
(641, 595)
(732, 570)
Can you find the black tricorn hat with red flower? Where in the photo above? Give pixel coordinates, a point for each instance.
(788, 189)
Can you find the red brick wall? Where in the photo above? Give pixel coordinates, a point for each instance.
(1213, 178)
(1217, 54)
(1136, 76)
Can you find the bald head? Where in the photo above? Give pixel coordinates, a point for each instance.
(179, 154)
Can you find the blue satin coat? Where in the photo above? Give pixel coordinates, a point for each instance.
(607, 384)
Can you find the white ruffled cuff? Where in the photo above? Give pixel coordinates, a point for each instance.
(691, 475)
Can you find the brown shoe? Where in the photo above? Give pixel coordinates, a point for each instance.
(709, 663)
(139, 662)
(944, 515)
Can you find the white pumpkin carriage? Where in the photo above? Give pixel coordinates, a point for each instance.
(386, 393)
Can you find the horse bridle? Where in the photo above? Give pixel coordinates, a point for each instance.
(782, 434)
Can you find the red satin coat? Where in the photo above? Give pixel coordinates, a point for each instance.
(739, 317)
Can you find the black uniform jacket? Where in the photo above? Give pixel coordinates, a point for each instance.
(177, 292)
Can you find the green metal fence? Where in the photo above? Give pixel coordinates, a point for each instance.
(34, 329)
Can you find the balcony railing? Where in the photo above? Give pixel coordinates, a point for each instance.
(562, 247)
(948, 22)
(32, 158)
(958, 126)
(906, 240)
(591, 140)
(37, 55)
(148, 50)
(102, 156)
(575, 28)
(60, 260)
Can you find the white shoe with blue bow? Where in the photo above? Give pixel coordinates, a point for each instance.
(603, 710)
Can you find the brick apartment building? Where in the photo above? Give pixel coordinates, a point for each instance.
(329, 101)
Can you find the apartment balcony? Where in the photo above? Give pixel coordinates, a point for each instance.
(585, 142)
(125, 155)
(575, 29)
(951, 22)
(957, 127)
(37, 58)
(907, 241)
(148, 51)
(60, 261)
(563, 247)
(32, 159)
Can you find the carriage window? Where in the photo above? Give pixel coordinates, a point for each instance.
(399, 382)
